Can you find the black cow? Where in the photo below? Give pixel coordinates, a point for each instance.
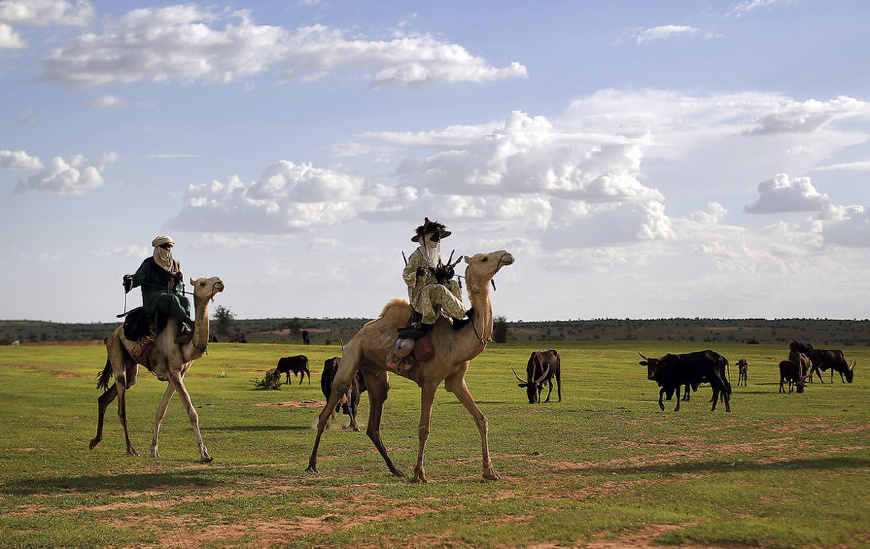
(296, 364)
(743, 371)
(801, 359)
(350, 401)
(823, 359)
(543, 366)
(793, 373)
(691, 369)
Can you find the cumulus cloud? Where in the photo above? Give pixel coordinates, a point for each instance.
(747, 6)
(188, 43)
(287, 199)
(39, 13)
(19, 160)
(782, 195)
(667, 31)
(74, 177)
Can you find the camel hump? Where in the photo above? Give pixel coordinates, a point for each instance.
(396, 302)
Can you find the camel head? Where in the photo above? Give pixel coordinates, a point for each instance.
(485, 266)
(205, 289)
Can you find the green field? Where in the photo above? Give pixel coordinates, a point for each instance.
(603, 468)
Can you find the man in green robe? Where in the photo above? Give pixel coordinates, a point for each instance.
(162, 285)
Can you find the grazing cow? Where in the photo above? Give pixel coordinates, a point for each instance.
(742, 368)
(803, 362)
(296, 364)
(673, 371)
(350, 401)
(543, 366)
(823, 359)
(791, 372)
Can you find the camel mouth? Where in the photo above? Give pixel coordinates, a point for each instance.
(218, 286)
(506, 259)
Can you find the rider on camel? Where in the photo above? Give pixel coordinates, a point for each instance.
(162, 285)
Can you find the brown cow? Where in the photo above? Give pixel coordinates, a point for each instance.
(543, 366)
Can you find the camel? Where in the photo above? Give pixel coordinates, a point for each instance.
(167, 360)
(367, 352)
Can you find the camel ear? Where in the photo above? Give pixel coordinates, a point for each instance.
(467, 259)
(192, 281)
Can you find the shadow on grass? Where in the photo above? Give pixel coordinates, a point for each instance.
(814, 464)
(254, 428)
(98, 483)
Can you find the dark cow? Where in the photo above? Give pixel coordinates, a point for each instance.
(350, 401)
(296, 364)
(823, 359)
(791, 372)
(743, 371)
(795, 356)
(543, 366)
(673, 371)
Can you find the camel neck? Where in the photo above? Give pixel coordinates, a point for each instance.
(200, 327)
(478, 295)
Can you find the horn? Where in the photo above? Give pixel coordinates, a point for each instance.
(544, 375)
(641, 355)
(518, 375)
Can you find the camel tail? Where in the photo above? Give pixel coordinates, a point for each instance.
(105, 376)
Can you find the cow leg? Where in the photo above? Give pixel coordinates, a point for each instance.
(456, 385)
(661, 394)
(378, 385)
(559, 384)
(677, 409)
(550, 391)
(427, 397)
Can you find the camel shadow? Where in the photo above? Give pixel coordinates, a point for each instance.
(124, 483)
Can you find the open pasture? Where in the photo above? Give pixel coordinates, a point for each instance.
(605, 468)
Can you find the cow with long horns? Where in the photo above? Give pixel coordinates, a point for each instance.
(543, 366)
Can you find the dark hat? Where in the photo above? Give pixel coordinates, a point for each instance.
(430, 227)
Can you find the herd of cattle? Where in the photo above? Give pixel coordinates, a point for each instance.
(671, 372)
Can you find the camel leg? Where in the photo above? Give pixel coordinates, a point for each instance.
(176, 380)
(378, 385)
(158, 419)
(323, 420)
(456, 385)
(427, 398)
(122, 413)
(103, 403)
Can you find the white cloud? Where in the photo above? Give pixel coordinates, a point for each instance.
(74, 177)
(853, 231)
(44, 13)
(106, 101)
(19, 160)
(847, 166)
(747, 6)
(287, 199)
(665, 32)
(185, 43)
(781, 195)
(9, 39)
(810, 115)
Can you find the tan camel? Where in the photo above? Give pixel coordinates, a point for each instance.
(367, 352)
(167, 360)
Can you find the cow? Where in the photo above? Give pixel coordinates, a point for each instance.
(793, 373)
(742, 368)
(543, 366)
(690, 369)
(296, 364)
(350, 401)
(798, 357)
(823, 359)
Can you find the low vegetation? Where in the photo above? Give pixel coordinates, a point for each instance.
(603, 468)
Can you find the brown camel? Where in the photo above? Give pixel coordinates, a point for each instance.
(367, 352)
(167, 360)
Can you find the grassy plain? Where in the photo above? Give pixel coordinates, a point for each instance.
(603, 468)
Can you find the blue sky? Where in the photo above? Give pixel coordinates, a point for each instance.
(640, 159)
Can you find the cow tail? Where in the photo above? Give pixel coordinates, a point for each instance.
(104, 376)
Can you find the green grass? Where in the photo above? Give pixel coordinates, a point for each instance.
(781, 471)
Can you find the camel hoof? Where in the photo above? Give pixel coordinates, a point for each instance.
(94, 443)
(491, 476)
(206, 459)
(419, 480)
(311, 469)
(132, 452)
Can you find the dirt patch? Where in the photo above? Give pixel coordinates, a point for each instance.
(294, 404)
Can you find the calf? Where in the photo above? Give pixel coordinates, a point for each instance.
(791, 372)
(543, 366)
(690, 369)
(296, 364)
(742, 368)
(350, 400)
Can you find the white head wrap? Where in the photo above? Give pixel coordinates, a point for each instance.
(164, 257)
(431, 250)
